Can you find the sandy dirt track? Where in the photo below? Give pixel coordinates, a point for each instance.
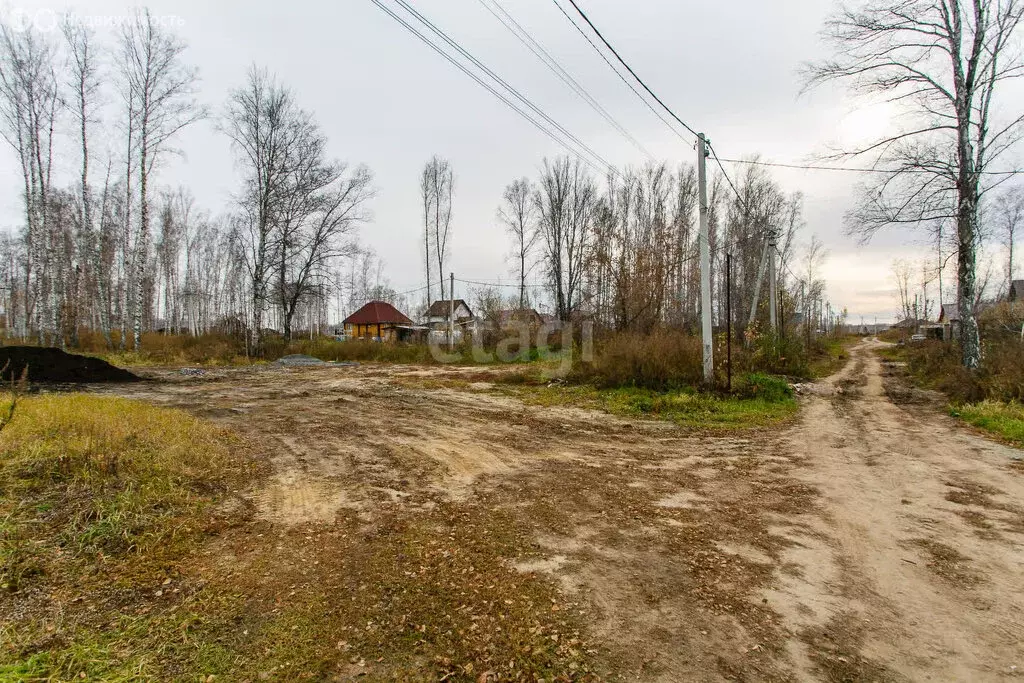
(866, 541)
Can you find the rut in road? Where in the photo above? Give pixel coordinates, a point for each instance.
(867, 541)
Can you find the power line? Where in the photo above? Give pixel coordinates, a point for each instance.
(515, 93)
(486, 86)
(628, 68)
(727, 178)
(482, 283)
(514, 27)
(616, 72)
(850, 169)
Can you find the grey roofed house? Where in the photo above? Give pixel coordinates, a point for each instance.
(440, 310)
(1016, 291)
(908, 324)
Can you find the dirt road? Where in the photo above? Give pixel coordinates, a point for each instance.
(867, 541)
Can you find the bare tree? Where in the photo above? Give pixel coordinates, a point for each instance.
(437, 185)
(517, 215)
(324, 203)
(1009, 217)
(566, 203)
(263, 123)
(943, 62)
(29, 103)
(84, 83)
(159, 89)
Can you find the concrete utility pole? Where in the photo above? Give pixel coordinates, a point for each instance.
(773, 283)
(757, 284)
(705, 262)
(451, 313)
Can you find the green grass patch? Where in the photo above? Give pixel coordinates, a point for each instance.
(759, 401)
(1005, 420)
(830, 355)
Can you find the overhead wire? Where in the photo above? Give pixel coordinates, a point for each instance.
(616, 72)
(628, 67)
(523, 35)
(482, 83)
(850, 169)
(505, 84)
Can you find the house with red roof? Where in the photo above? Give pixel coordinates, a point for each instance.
(380, 321)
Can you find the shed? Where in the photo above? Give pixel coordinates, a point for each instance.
(377, 320)
(1016, 291)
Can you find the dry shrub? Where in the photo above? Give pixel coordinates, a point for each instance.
(1003, 370)
(660, 360)
(937, 364)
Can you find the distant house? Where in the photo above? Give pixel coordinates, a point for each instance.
(514, 316)
(908, 324)
(379, 320)
(438, 312)
(949, 314)
(1016, 292)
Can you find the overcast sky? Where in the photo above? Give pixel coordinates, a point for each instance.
(384, 99)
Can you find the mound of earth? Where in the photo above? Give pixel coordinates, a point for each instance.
(47, 364)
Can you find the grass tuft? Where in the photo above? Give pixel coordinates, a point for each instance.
(1003, 419)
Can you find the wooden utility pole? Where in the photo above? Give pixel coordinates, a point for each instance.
(705, 261)
(451, 312)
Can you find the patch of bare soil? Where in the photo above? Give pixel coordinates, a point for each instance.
(820, 552)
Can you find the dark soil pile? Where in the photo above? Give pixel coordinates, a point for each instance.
(53, 365)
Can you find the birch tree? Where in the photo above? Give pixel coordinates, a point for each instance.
(517, 215)
(945, 65)
(437, 186)
(566, 204)
(263, 123)
(83, 85)
(1009, 217)
(29, 104)
(159, 89)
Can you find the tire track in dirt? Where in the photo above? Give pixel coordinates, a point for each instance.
(864, 543)
(892, 580)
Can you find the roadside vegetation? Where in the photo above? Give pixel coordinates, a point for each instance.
(659, 375)
(989, 398)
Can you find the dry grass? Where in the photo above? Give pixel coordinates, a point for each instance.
(122, 560)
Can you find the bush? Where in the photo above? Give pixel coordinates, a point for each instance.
(936, 364)
(775, 354)
(661, 360)
(765, 387)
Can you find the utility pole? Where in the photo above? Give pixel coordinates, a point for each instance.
(773, 282)
(757, 284)
(807, 314)
(728, 322)
(451, 313)
(705, 261)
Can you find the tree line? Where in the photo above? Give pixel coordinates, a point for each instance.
(110, 252)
